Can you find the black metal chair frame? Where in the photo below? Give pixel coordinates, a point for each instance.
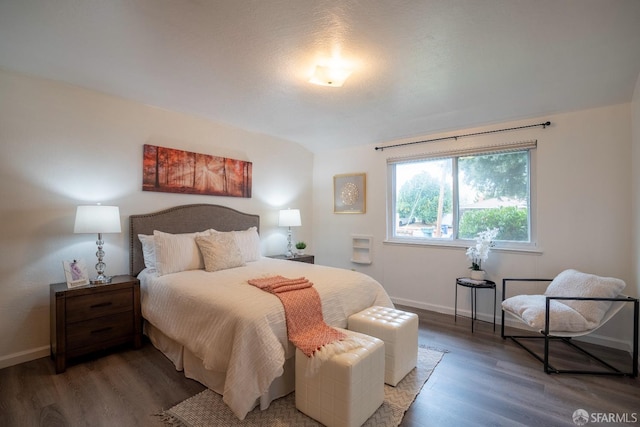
(547, 336)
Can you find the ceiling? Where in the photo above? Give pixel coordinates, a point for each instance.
(420, 66)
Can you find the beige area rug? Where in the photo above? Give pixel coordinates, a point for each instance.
(207, 409)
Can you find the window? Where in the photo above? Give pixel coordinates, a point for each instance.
(449, 197)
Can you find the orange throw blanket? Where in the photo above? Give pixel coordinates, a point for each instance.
(303, 312)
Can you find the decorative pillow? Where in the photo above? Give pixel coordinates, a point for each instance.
(249, 243)
(220, 251)
(572, 283)
(530, 308)
(177, 252)
(148, 250)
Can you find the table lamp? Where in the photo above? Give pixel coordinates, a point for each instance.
(289, 218)
(98, 219)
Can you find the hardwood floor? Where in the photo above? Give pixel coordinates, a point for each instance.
(120, 389)
(485, 380)
(482, 380)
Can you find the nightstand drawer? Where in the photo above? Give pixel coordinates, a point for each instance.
(99, 330)
(90, 306)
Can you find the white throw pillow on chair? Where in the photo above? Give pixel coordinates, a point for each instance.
(573, 283)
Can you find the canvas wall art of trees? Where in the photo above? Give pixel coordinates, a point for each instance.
(177, 171)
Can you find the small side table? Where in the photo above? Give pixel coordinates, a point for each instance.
(473, 286)
(309, 259)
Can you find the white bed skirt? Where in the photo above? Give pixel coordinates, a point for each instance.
(193, 368)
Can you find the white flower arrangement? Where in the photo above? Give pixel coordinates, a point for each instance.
(480, 252)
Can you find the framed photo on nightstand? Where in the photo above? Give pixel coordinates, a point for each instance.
(75, 271)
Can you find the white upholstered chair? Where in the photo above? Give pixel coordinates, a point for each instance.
(574, 304)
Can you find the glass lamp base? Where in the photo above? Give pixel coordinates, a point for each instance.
(100, 280)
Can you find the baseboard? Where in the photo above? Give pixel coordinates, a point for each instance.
(485, 317)
(424, 306)
(24, 356)
(592, 338)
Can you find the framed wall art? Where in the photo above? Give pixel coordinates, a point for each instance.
(176, 171)
(75, 271)
(350, 193)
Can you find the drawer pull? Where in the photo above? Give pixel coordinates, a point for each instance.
(99, 331)
(102, 304)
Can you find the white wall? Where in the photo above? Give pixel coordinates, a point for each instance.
(583, 180)
(635, 192)
(61, 146)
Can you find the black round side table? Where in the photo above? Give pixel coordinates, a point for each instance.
(473, 286)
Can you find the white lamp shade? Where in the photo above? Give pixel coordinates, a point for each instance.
(97, 219)
(289, 218)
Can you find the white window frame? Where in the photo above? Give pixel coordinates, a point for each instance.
(529, 146)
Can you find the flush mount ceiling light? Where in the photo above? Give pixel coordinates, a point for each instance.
(330, 75)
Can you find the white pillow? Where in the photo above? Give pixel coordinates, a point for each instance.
(220, 251)
(148, 250)
(249, 243)
(177, 252)
(572, 283)
(531, 308)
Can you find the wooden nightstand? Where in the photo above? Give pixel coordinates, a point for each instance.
(93, 318)
(309, 259)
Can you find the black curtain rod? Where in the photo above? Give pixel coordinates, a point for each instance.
(544, 125)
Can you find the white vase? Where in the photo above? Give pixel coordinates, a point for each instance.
(477, 274)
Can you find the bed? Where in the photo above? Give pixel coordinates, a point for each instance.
(213, 325)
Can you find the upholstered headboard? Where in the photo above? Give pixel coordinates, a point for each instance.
(184, 219)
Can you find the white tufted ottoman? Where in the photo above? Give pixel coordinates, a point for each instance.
(399, 331)
(347, 389)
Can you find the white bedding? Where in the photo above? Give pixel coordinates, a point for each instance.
(238, 329)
